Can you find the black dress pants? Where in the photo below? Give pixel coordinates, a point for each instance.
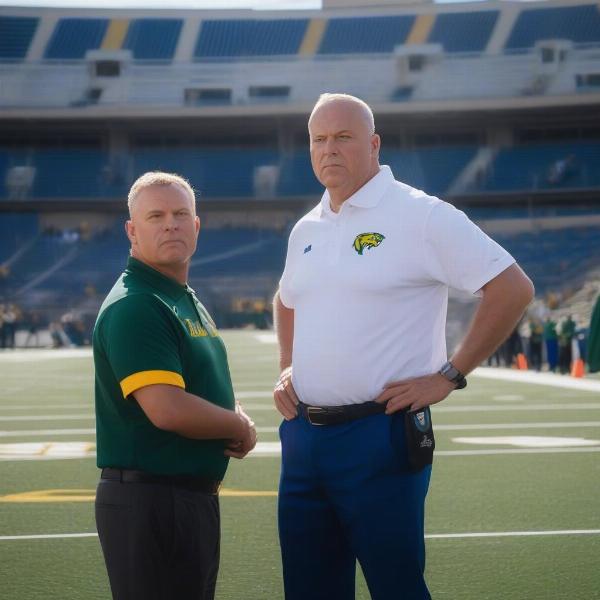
(160, 542)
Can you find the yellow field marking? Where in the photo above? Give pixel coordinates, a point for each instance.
(78, 495)
(50, 496)
(246, 493)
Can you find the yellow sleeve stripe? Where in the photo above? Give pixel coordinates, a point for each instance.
(143, 378)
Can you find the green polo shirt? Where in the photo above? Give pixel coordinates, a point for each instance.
(153, 330)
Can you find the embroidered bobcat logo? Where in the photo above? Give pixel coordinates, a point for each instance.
(367, 240)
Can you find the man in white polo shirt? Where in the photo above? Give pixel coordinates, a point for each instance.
(360, 317)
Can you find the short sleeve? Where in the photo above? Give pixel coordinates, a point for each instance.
(141, 343)
(285, 293)
(458, 253)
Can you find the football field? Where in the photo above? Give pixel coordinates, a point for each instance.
(513, 510)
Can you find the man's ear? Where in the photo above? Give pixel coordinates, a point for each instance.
(130, 231)
(197, 223)
(375, 144)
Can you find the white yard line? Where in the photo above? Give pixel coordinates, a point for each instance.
(436, 409)
(26, 432)
(44, 406)
(50, 417)
(21, 356)
(492, 534)
(565, 406)
(550, 379)
(429, 536)
(273, 450)
(275, 429)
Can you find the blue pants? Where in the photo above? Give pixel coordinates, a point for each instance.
(346, 494)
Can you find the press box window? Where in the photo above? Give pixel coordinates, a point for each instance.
(269, 91)
(194, 96)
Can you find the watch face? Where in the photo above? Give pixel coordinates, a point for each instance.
(450, 372)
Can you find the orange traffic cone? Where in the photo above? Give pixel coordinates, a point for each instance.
(578, 368)
(521, 362)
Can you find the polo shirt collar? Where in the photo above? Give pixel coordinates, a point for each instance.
(368, 196)
(156, 279)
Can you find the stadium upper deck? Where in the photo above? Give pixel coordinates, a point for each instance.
(400, 58)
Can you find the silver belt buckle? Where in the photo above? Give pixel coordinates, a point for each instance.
(311, 410)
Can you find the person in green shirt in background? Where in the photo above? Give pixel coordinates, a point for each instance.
(166, 418)
(565, 340)
(551, 340)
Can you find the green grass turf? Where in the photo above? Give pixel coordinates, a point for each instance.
(483, 493)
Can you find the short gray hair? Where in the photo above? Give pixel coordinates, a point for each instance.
(325, 98)
(158, 178)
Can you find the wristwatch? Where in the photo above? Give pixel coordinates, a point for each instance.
(451, 373)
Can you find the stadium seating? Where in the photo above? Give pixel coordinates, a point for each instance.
(16, 230)
(358, 35)
(531, 167)
(213, 172)
(464, 32)
(552, 258)
(16, 34)
(296, 177)
(71, 173)
(429, 169)
(244, 38)
(73, 37)
(153, 39)
(581, 24)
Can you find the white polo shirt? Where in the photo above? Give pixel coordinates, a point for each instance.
(369, 288)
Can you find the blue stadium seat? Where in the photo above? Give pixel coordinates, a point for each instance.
(72, 173)
(153, 39)
(530, 167)
(358, 35)
(243, 37)
(464, 32)
(16, 34)
(213, 172)
(296, 177)
(429, 169)
(72, 38)
(16, 229)
(578, 23)
(553, 258)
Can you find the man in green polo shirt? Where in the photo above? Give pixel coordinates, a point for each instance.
(166, 418)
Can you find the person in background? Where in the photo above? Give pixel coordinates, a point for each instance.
(565, 341)
(536, 339)
(551, 341)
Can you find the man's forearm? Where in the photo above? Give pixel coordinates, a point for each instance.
(505, 298)
(284, 327)
(173, 409)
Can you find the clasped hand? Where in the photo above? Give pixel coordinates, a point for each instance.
(240, 448)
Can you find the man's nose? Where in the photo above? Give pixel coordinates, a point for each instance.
(331, 146)
(171, 223)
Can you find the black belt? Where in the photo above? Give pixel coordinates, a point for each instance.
(336, 415)
(195, 484)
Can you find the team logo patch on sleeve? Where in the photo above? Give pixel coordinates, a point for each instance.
(367, 240)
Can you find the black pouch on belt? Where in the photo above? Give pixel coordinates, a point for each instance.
(420, 442)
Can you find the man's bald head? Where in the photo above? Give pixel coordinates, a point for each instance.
(344, 148)
(353, 103)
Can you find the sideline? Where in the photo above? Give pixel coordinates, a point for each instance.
(551, 379)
